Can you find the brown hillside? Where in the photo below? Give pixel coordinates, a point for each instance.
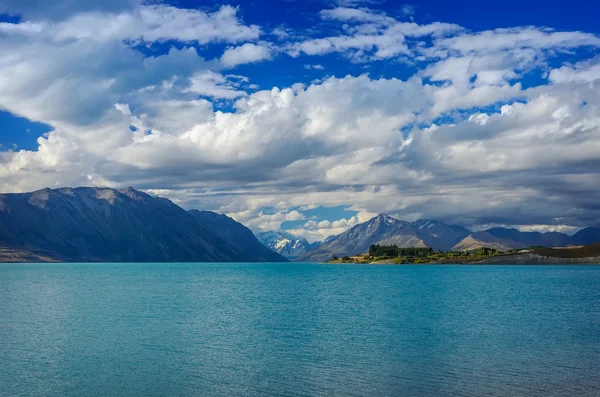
(587, 251)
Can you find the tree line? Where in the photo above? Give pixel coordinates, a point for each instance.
(376, 250)
(395, 251)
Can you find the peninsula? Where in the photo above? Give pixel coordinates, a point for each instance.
(589, 254)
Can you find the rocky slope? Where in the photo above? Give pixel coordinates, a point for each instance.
(101, 224)
(237, 235)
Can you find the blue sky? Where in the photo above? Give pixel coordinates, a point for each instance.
(310, 116)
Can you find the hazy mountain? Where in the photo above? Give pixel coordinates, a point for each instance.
(237, 235)
(439, 235)
(530, 238)
(485, 239)
(286, 245)
(503, 239)
(328, 239)
(385, 230)
(100, 224)
(586, 236)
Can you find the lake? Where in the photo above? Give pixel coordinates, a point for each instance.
(298, 330)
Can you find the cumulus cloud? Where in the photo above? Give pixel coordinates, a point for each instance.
(59, 9)
(246, 53)
(214, 85)
(461, 140)
(586, 71)
(266, 222)
(320, 230)
(147, 23)
(47, 74)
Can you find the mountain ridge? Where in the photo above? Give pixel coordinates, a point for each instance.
(91, 224)
(386, 230)
(505, 239)
(103, 224)
(236, 234)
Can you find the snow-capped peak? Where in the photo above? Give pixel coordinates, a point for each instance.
(282, 242)
(383, 219)
(285, 244)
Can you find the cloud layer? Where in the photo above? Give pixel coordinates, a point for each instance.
(491, 127)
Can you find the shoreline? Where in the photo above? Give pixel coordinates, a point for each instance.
(508, 259)
(533, 259)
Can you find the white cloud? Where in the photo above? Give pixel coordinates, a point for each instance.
(319, 231)
(59, 9)
(383, 46)
(372, 35)
(356, 15)
(206, 139)
(281, 32)
(267, 222)
(148, 23)
(586, 71)
(409, 10)
(315, 67)
(491, 41)
(214, 85)
(46, 73)
(246, 53)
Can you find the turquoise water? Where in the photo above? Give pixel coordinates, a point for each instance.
(298, 330)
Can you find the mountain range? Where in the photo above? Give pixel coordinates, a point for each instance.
(504, 239)
(101, 224)
(386, 230)
(286, 245)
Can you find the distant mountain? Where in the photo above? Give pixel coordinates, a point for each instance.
(237, 235)
(328, 239)
(439, 235)
(590, 251)
(485, 239)
(385, 230)
(101, 224)
(586, 236)
(285, 244)
(589, 254)
(504, 239)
